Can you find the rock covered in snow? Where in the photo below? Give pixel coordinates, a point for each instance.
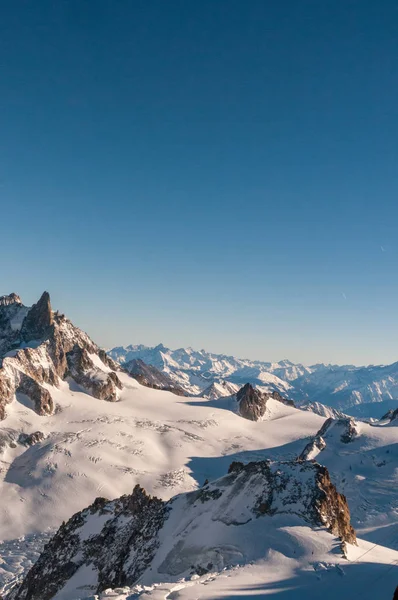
(345, 430)
(150, 376)
(10, 299)
(391, 415)
(122, 542)
(39, 347)
(219, 389)
(344, 387)
(323, 411)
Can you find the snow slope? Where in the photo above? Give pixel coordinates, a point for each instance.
(233, 520)
(168, 444)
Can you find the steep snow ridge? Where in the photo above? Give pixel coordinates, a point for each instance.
(219, 389)
(139, 539)
(324, 411)
(363, 461)
(344, 388)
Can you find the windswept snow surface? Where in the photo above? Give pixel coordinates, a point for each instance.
(171, 444)
(307, 568)
(166, 443)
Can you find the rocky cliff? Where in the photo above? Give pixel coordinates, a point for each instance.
(150, 376)
(39, 347)
(252, 402)
(138, 538)
(344, 430)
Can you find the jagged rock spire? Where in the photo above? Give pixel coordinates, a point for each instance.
(38, 320)
(252, 402)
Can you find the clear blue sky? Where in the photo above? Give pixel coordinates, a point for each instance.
(220, 174)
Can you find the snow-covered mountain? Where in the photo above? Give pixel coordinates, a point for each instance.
(140, 539)
(76, 427)
(39, 348)
(362, 391)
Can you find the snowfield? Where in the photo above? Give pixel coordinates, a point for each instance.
(171, 444)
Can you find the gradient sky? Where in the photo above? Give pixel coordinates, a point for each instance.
(220, 174)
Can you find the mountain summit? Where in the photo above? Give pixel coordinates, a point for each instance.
(39, 346)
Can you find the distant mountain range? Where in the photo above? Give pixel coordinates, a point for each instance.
(219, 485)
(360, 391)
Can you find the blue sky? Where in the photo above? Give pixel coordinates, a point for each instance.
(220, 174)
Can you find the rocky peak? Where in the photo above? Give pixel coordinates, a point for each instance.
(39, 320)
(40, 347)
(139, 536)
(343, 430)
(10, 299)
(252, 402)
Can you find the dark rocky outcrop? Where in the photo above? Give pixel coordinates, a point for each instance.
(38, 321)
(344, 429)
(391, 415)
(39, 346)
(277, 396)
(322, 503)
(29, 439)
(119, 540)
(252, 402)
(151, 377)
(126, 526)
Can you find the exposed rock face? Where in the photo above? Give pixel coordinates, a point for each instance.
(38, 346)
(313, 448)
(100, 384)
(29, 439)
(277, 396)
(151, 377)
(120, 540)
(333, 508)
(11, 299)
(391, 415)
(38, 321)
(252, 402)
(344, 429)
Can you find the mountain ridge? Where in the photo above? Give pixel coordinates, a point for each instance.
(368, 390)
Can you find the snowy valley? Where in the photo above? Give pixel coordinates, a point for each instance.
(115, 483)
